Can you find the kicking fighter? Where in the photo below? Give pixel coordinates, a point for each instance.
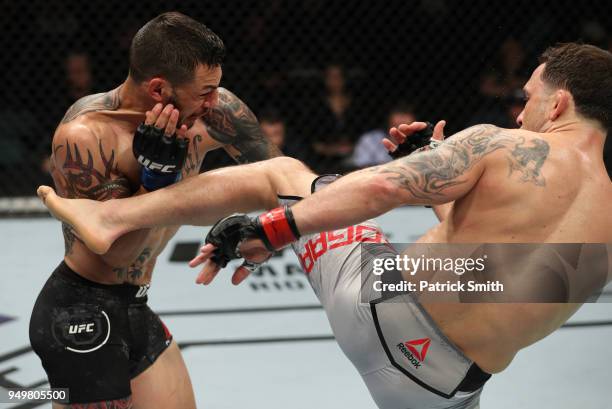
(100, 152)
(506, 185)
(334, 274)
(543, 183)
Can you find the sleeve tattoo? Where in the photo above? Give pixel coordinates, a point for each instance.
(231, 122)
(426, 175)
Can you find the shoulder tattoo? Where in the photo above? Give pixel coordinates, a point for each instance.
(105, 101)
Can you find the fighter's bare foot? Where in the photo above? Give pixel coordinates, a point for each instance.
(83, 215)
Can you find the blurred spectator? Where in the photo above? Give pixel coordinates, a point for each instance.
(270, 89)
(501, 85)
(78, 81)
(515, 102)
(22, 144)
(369, 150)
(79, 76)
(336, 122)
(280, 53)
(502, 113)
(273, 126)
(507, 71)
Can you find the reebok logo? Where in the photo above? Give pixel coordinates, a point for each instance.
(415, 350)
(416, 344)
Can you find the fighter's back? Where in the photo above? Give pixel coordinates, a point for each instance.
(539, 188)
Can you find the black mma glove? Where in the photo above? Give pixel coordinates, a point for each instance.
(414, 142)
(275, 228)
(162, 157)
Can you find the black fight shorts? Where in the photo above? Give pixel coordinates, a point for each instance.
(94, 338)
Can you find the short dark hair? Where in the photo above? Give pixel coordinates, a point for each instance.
(586, 72)
(171, 46)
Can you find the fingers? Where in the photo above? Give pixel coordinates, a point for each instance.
(210, 269)
(400, 133)
(408, 129)
(396, 137)
(172, 121)
(206, 252)
(240, 274)
(438, 132)
(151, 116)
(182, 131)
(197, 260)
(255, 252)
(389, 145)
(208, 273)
(165, 118)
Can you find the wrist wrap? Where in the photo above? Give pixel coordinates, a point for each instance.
(277, 228)
(152, 180)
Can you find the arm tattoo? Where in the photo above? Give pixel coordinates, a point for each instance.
(231, 122)
(105, 101)
(194, 161)
(84, 181)
(426, 175)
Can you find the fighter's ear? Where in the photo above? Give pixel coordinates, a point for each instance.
(158, 89)
(562, 100)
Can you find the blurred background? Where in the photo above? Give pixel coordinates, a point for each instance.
(326, 78)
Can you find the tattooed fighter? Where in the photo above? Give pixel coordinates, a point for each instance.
(536, 184)
(91, 325)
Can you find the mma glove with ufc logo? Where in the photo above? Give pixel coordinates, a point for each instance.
(162, 157)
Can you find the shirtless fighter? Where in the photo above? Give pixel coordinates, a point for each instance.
(91, 325)
(507, 186)
(543, 183)
(334, 275)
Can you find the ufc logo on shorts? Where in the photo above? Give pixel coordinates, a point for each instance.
(142, 291)
(79, 329)
(149, 164)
